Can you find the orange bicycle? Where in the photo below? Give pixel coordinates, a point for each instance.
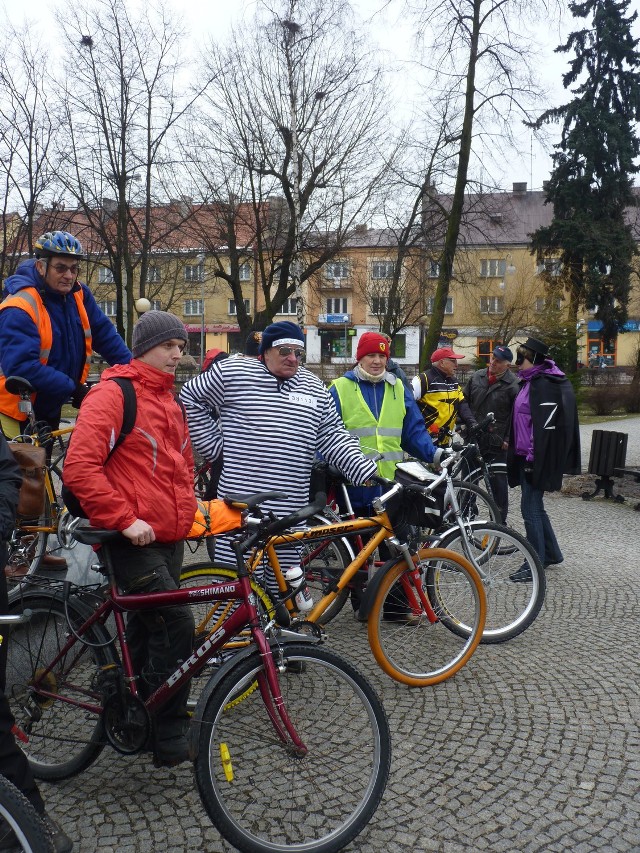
(410, 603)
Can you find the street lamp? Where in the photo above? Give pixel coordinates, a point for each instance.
(200, 260)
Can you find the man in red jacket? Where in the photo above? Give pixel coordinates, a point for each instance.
(145, 490)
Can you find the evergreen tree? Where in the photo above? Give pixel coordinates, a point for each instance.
(591, 183)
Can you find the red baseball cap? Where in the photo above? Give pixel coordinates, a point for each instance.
(444, 352)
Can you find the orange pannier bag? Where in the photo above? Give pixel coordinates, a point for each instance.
(214, 517)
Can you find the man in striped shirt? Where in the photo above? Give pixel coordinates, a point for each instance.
(275, 418)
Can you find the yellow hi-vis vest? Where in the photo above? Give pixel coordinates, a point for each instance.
(380, 436)
(30, 301)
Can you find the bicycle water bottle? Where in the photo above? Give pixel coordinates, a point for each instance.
(296, 579)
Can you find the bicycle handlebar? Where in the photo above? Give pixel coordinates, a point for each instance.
(482, 425)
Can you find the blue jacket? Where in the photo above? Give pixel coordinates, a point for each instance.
(414, 440)
(55, 381)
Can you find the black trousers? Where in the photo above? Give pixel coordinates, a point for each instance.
(159, 640)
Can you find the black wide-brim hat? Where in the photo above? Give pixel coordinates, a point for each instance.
(536, 346)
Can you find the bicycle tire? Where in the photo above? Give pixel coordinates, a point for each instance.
(279, 802)
(18, 816)
(497, 552)
(408, 646)
(62, 739)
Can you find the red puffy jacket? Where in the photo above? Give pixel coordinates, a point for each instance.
(150, 475)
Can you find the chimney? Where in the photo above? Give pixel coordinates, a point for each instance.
(546, 185)
(519, 188)
(361, 229)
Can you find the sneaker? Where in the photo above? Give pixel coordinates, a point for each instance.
(553, 563)
(61, 841)
(523, 575)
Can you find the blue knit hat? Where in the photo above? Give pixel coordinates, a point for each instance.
(284, 334)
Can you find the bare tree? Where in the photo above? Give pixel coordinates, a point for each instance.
(26, 134)
(482, 76)
(125, 106)
(294, 131)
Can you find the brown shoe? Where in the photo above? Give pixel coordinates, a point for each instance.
(54, 564)
(15, 573)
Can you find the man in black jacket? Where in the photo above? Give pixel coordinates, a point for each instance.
(493, 389)
(13, 762)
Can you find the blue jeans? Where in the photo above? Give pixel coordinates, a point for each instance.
(537, 523)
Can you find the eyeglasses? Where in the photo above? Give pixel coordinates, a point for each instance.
(287, 351)
(61, 269)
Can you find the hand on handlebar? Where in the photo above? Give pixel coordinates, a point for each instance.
(442, 454)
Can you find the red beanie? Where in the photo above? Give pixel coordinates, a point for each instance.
(370, 343)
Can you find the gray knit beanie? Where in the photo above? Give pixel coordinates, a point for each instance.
(156, 327)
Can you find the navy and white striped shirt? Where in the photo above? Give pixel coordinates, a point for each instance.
(272, 430)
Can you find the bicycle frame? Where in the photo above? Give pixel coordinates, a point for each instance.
(382, 530)
(244, 614)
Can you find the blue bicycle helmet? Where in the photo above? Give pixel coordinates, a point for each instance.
(57, 243)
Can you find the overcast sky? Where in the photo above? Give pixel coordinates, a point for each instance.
(392, 31)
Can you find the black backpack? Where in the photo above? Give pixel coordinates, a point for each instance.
(128, 420)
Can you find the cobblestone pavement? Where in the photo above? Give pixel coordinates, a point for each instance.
(534, 746)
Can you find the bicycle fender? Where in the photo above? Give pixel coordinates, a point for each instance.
(193, 735)
(371, 590)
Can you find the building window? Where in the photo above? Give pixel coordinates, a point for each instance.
(485, 348)
(337, 270)
(434, 269)
(492, 305)
(156, 305)
(194, 272)
(108, 307)
(233, 308)
(399, 346)
(550, 266)
(244, 272)
(290, 306)
(192, 308)
(448, 308)
(105, 276)
(493, 268)
(153, 274)
(599, 355)
(382, 269)
(381, 305)
(542, 303)
(337, 305)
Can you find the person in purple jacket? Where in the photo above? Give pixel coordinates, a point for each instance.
(545, 444)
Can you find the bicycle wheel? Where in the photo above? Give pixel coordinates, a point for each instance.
(21, 827)
(474, 502)
(409, 638)
(61, 738)
(498, 552)
(261, 796)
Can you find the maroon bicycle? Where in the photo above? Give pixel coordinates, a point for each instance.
(290, 744)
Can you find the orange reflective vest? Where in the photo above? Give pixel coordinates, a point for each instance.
(30, 301)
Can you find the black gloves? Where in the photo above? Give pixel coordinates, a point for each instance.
(78, 395)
